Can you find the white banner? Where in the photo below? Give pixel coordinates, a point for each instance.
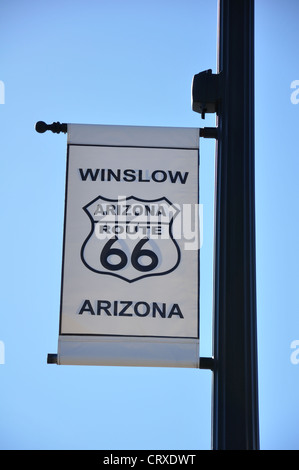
(130, 277)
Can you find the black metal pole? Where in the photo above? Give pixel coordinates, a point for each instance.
(235, 422)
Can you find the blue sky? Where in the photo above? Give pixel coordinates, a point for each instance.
(132, 63)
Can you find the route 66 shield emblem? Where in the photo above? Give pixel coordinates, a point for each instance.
(131, 238)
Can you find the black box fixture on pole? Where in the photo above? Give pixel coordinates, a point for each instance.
(235, 420)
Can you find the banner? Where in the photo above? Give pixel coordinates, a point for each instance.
(130, 274)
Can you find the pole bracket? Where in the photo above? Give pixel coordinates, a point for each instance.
(209, 132)
(207, 363)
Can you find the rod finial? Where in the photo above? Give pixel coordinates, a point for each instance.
(52, 359)
(55, 127)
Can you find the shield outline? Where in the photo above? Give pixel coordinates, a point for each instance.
(85, 208)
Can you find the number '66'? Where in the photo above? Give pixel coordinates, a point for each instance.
(137, 254)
